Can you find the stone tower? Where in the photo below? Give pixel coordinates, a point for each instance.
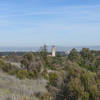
(53, 51)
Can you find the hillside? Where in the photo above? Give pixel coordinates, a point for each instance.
(41, 77)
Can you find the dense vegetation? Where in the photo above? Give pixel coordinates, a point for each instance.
(74, 77)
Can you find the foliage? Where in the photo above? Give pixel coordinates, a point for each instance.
(27, 59)
(7, 67)
(75, 56)
(22, 74)
(52, 79)
(45, 96)
(44, 52)
(85, 58)
(31, 62)
(75, 77)
(80, 84)
(31, 75)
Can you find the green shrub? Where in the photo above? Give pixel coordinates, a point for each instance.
(52, 79)
(12, 72)
(22, 74)
(31, 75)
(2, 63)
(45, 96)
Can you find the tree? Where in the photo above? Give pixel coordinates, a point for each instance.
(89, 59)
(22, 74)
(44, 55)
(79, 84)
(74, 56)
(44, 52)
(31, 62)
(27, 60)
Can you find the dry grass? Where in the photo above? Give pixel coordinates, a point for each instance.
(12, 88)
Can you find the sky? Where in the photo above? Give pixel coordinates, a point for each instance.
(26, 23)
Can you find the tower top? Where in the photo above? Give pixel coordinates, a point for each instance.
(53, 46)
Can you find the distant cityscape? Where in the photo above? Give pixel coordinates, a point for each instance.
(35, 49)
(53, 50)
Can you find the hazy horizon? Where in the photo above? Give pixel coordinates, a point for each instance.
(34, 48)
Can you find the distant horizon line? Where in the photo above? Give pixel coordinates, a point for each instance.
(50, 46)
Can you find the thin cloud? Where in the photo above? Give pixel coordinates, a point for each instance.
(55, 11)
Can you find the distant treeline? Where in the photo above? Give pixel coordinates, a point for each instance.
(12, 53)
(58, 53)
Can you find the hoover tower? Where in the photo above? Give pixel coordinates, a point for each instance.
(53, 51)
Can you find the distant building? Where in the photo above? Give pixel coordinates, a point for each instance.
(67, 52)
(53, 51)
(60, 53)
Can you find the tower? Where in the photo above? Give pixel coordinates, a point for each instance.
(53, 51)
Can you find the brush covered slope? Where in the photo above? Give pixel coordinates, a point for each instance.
(37, 76)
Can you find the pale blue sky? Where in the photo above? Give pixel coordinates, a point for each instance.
(58, 22)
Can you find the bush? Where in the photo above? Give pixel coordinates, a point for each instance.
(31, 75)
(79, 84)
(2, 63)
(45, 74)
(45, 96)
(22, 74)
(52, 79)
